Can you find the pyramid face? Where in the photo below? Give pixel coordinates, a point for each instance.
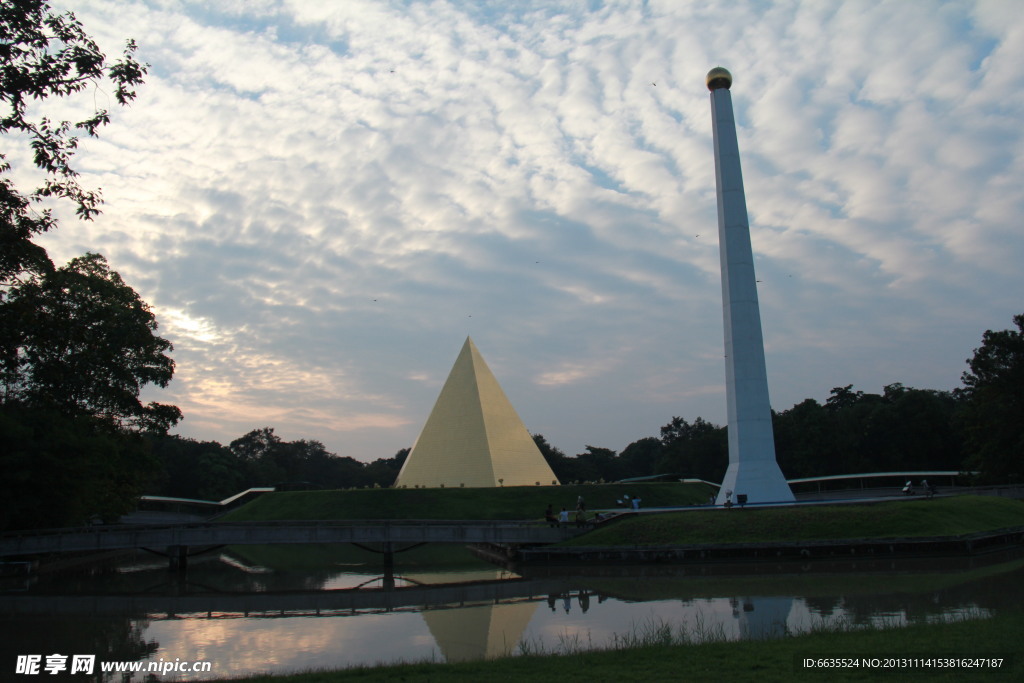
(473, 436)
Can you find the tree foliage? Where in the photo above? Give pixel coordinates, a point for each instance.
(209, 471)
(902, 429)
(44, 55)
(993, 393)
(61, 470)
(77, 344)
(697, 449)
(81, 341)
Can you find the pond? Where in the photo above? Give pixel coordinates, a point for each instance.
(288, 608)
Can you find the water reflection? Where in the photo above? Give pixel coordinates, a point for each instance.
(250, 610)
(480, 631)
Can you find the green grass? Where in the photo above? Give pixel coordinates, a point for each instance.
(522, 502)
(660, 653)
(954, 516)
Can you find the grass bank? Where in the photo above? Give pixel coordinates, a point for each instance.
(953, 516)
(657, 655)
(520, 502)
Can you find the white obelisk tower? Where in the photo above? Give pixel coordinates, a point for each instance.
(753, 471)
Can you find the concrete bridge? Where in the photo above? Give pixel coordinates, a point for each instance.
(178, 538)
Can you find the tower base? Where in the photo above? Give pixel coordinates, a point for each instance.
(759, 481)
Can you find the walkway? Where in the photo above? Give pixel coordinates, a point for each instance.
(256, 533)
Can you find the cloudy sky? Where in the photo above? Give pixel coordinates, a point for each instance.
(321, 200)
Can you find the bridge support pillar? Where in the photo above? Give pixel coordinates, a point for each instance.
(177, 556)
(389, 565)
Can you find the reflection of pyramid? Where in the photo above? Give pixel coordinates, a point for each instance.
(482, 632)
(444, 576)
(473, 436)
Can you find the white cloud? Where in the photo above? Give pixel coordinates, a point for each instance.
(321, 200)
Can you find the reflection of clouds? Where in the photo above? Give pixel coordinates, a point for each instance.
(315, 198)
(288, 644)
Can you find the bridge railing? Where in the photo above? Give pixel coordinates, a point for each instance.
(112, 528)
(280, 531)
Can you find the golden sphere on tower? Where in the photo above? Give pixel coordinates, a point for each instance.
(718, 78)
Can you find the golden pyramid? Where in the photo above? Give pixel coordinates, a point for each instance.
(474, 436)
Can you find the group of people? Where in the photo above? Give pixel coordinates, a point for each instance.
(627, 502)
(563, 516)
(908, 488)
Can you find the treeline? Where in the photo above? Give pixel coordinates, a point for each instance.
(207, 470)
(900, 429)
(978, 427)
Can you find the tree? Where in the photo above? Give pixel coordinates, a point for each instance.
(272, 461)
(77, 344)
(901, 429)
(564, 467)
(384, 471)
(598, 464)
(804, 440)
(44, 54)
(843, 397)
(993, 413)
(196, 469)
(81, 341)
(640, 457)
(61, 470)
(698, 449)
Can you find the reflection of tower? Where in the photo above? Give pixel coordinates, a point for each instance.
(765, 618)
(480, 632)
(753, 470)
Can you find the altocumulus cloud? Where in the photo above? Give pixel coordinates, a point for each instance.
(321, 200)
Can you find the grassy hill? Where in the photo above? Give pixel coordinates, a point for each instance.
(952, 516)
(520, 502)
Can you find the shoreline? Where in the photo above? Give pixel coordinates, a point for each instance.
(966, 544)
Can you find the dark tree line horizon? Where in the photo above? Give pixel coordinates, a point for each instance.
(900, 429)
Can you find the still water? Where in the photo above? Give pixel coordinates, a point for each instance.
(287, 608)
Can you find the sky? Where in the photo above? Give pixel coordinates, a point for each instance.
(322, 199)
